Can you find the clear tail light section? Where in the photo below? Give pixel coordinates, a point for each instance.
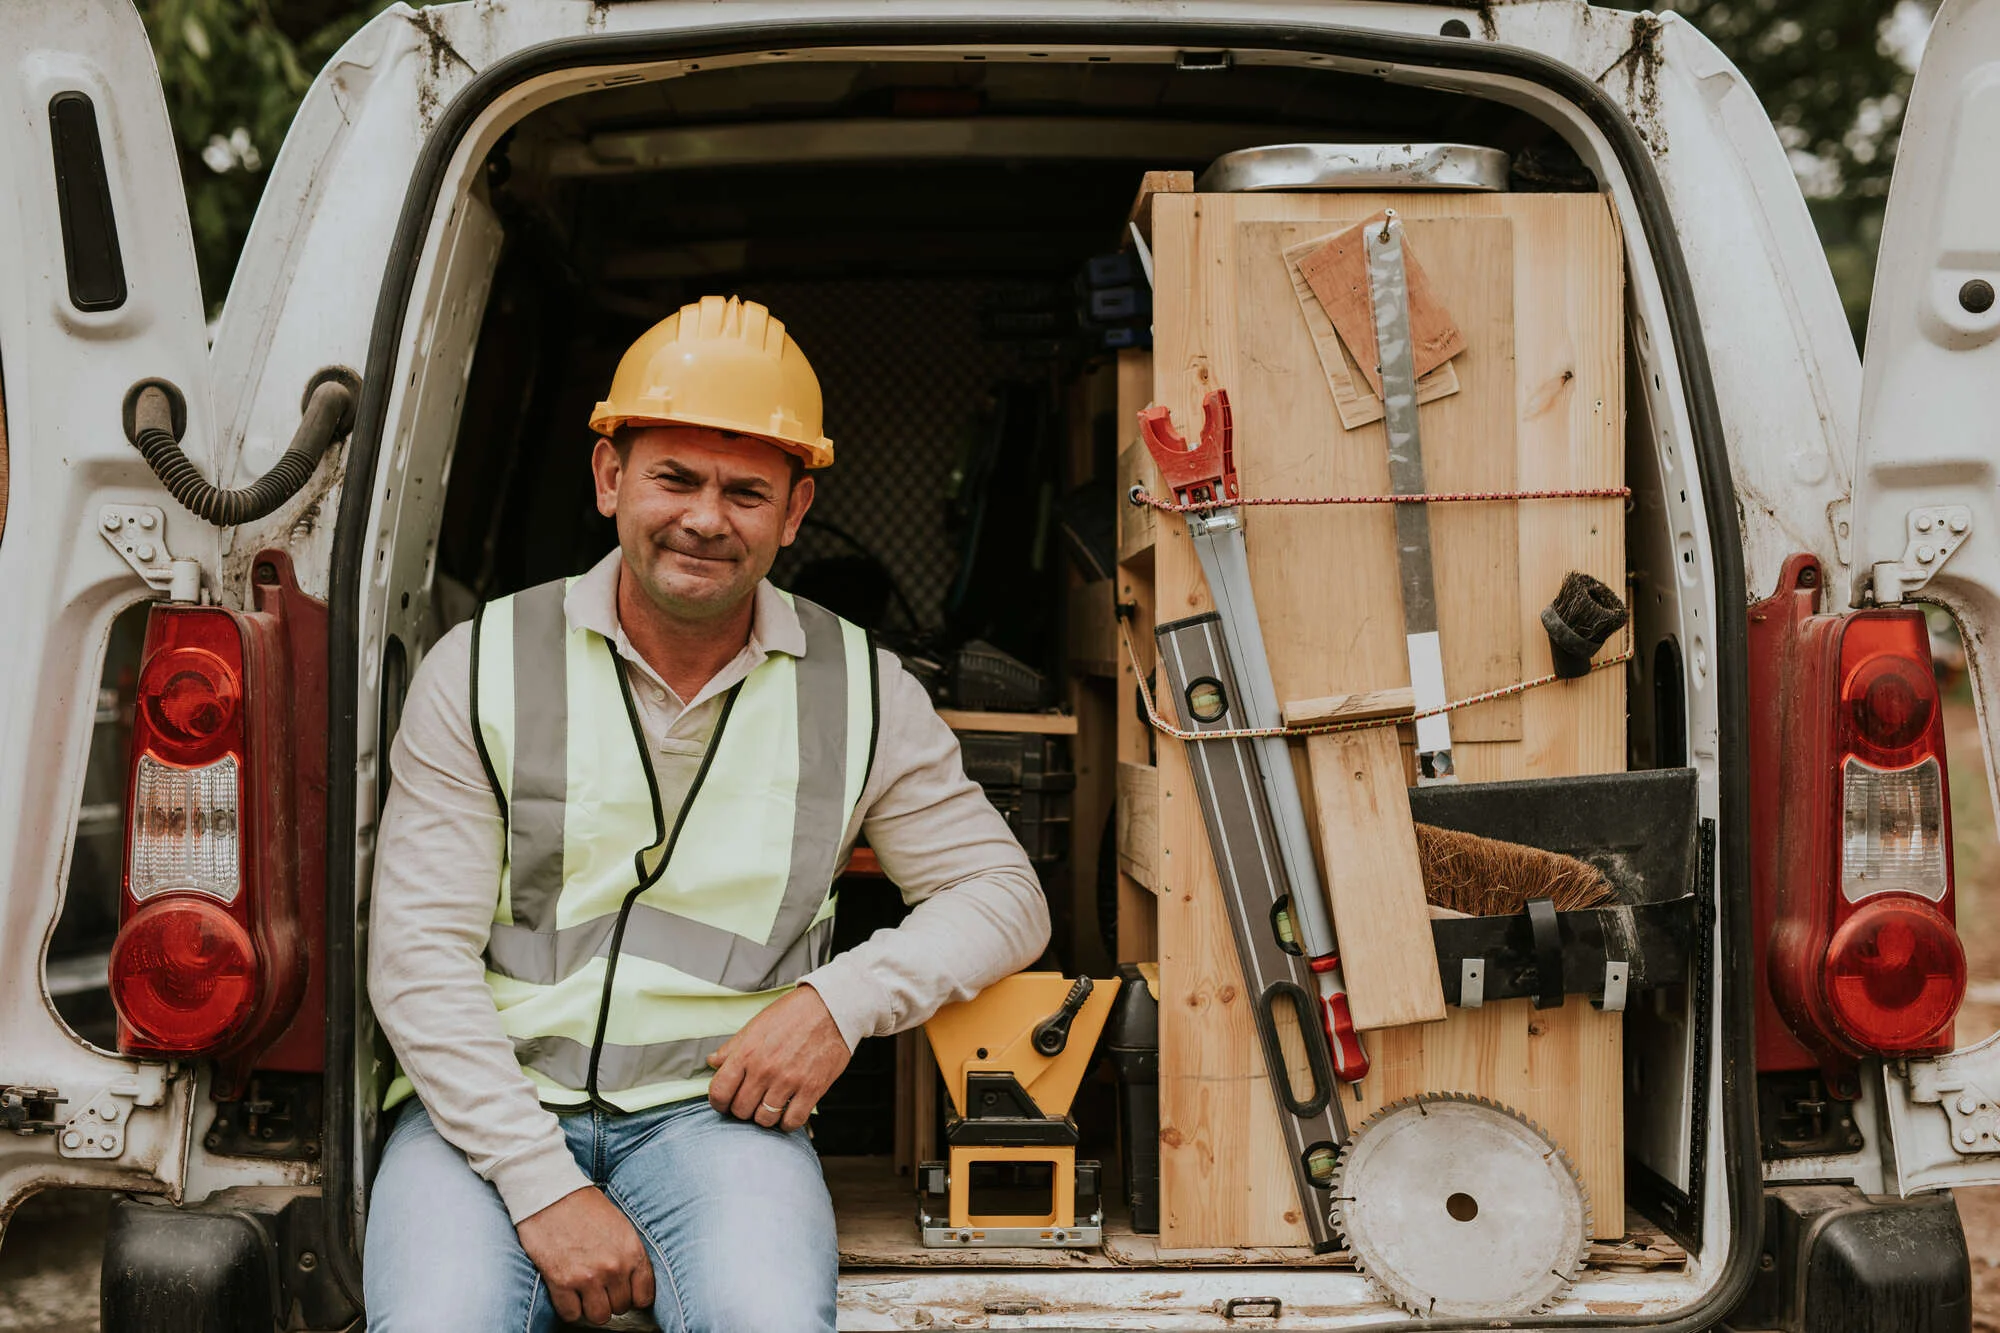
(1892, 830)
(185, 831)
(214, 950)
(1855, 903)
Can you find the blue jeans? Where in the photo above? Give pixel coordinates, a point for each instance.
(736, 1218)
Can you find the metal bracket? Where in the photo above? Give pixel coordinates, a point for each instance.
(98, 1130)
(139, 533)
(1471, 983)
(1617, 972)
(26, 1110)
(1934, 533)
(1966, 1086)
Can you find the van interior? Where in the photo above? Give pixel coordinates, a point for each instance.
(926, 229)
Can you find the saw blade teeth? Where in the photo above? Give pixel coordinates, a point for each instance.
(1395, 1251)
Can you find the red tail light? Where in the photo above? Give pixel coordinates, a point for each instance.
(183, 975)
(184, 972)
(1863, 955)
(212, 955)
(1895, 975)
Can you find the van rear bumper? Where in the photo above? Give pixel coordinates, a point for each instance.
(1838, 1261)
(243, 1262)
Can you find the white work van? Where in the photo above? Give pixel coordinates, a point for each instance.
(479, 204)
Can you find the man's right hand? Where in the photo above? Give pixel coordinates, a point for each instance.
(590, 1255)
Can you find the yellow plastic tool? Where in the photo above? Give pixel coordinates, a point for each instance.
(1012, 1059)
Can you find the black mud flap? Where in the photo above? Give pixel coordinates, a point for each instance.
(1838, 1261)
(219, 1269)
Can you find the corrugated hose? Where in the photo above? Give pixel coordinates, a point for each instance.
(328, 416)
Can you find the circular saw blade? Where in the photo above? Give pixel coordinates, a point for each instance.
(1456, 1205)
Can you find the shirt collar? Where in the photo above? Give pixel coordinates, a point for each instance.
(592, 604)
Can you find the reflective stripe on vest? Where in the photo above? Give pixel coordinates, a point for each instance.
(632, 941)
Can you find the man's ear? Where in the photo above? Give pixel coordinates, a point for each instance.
(606, 469)
(796, 505)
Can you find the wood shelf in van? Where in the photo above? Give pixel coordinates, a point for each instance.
(875, 1210)
(1040, 724)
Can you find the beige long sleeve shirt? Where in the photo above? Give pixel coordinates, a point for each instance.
(978, 915)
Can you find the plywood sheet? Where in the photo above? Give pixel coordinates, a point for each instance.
(1290, 441)
(1225, 316)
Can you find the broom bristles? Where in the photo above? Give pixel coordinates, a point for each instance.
(1488, 877)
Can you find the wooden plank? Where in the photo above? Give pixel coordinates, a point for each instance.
(1138, 913)
(1325, 579)
(1093, 628)
(1139, 823)
(1357, 707)
(1561, 1068)
(1138, 525)
(1369, 854)
(1141, 212)
(1094, 753)
(1224, 1179)
(1041, 724)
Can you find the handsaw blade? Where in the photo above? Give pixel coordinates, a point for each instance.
(1388, 285)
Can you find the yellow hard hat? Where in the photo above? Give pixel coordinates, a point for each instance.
(722, 363)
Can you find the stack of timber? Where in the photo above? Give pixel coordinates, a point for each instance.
(1534, 281)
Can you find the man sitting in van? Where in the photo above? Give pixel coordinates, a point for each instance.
(603, 898)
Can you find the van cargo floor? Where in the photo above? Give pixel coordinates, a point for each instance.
(875, 1210)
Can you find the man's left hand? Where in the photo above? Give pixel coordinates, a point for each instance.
(776, 1069)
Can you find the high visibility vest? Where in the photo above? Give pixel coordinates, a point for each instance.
(631, 941)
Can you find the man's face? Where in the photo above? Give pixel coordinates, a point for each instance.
(701, 513)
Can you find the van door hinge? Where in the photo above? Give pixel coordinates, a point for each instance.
(1966, 1086)
(139, 533)
(1934, 533)
(25, 1110)
(98, 1130)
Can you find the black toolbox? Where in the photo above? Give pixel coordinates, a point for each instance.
(1029, 778)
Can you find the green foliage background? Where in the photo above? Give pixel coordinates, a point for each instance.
(1834, 76)
(236, 70)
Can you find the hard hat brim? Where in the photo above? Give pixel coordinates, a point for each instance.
(816, 454)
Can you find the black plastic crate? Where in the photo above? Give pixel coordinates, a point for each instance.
(1030, 781)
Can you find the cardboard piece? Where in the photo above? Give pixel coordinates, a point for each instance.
(1351, 398)
(1338, 274)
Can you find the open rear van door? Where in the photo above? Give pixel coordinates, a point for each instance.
(98, 291)
(1927, 493)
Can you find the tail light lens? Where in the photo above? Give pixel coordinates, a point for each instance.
(183, 975)
(1892, 830)
(226, 835)
(186, 971)
(1895, 975)
(1893, 970)
(1864, 957)
(191, 696)
(186, 830)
